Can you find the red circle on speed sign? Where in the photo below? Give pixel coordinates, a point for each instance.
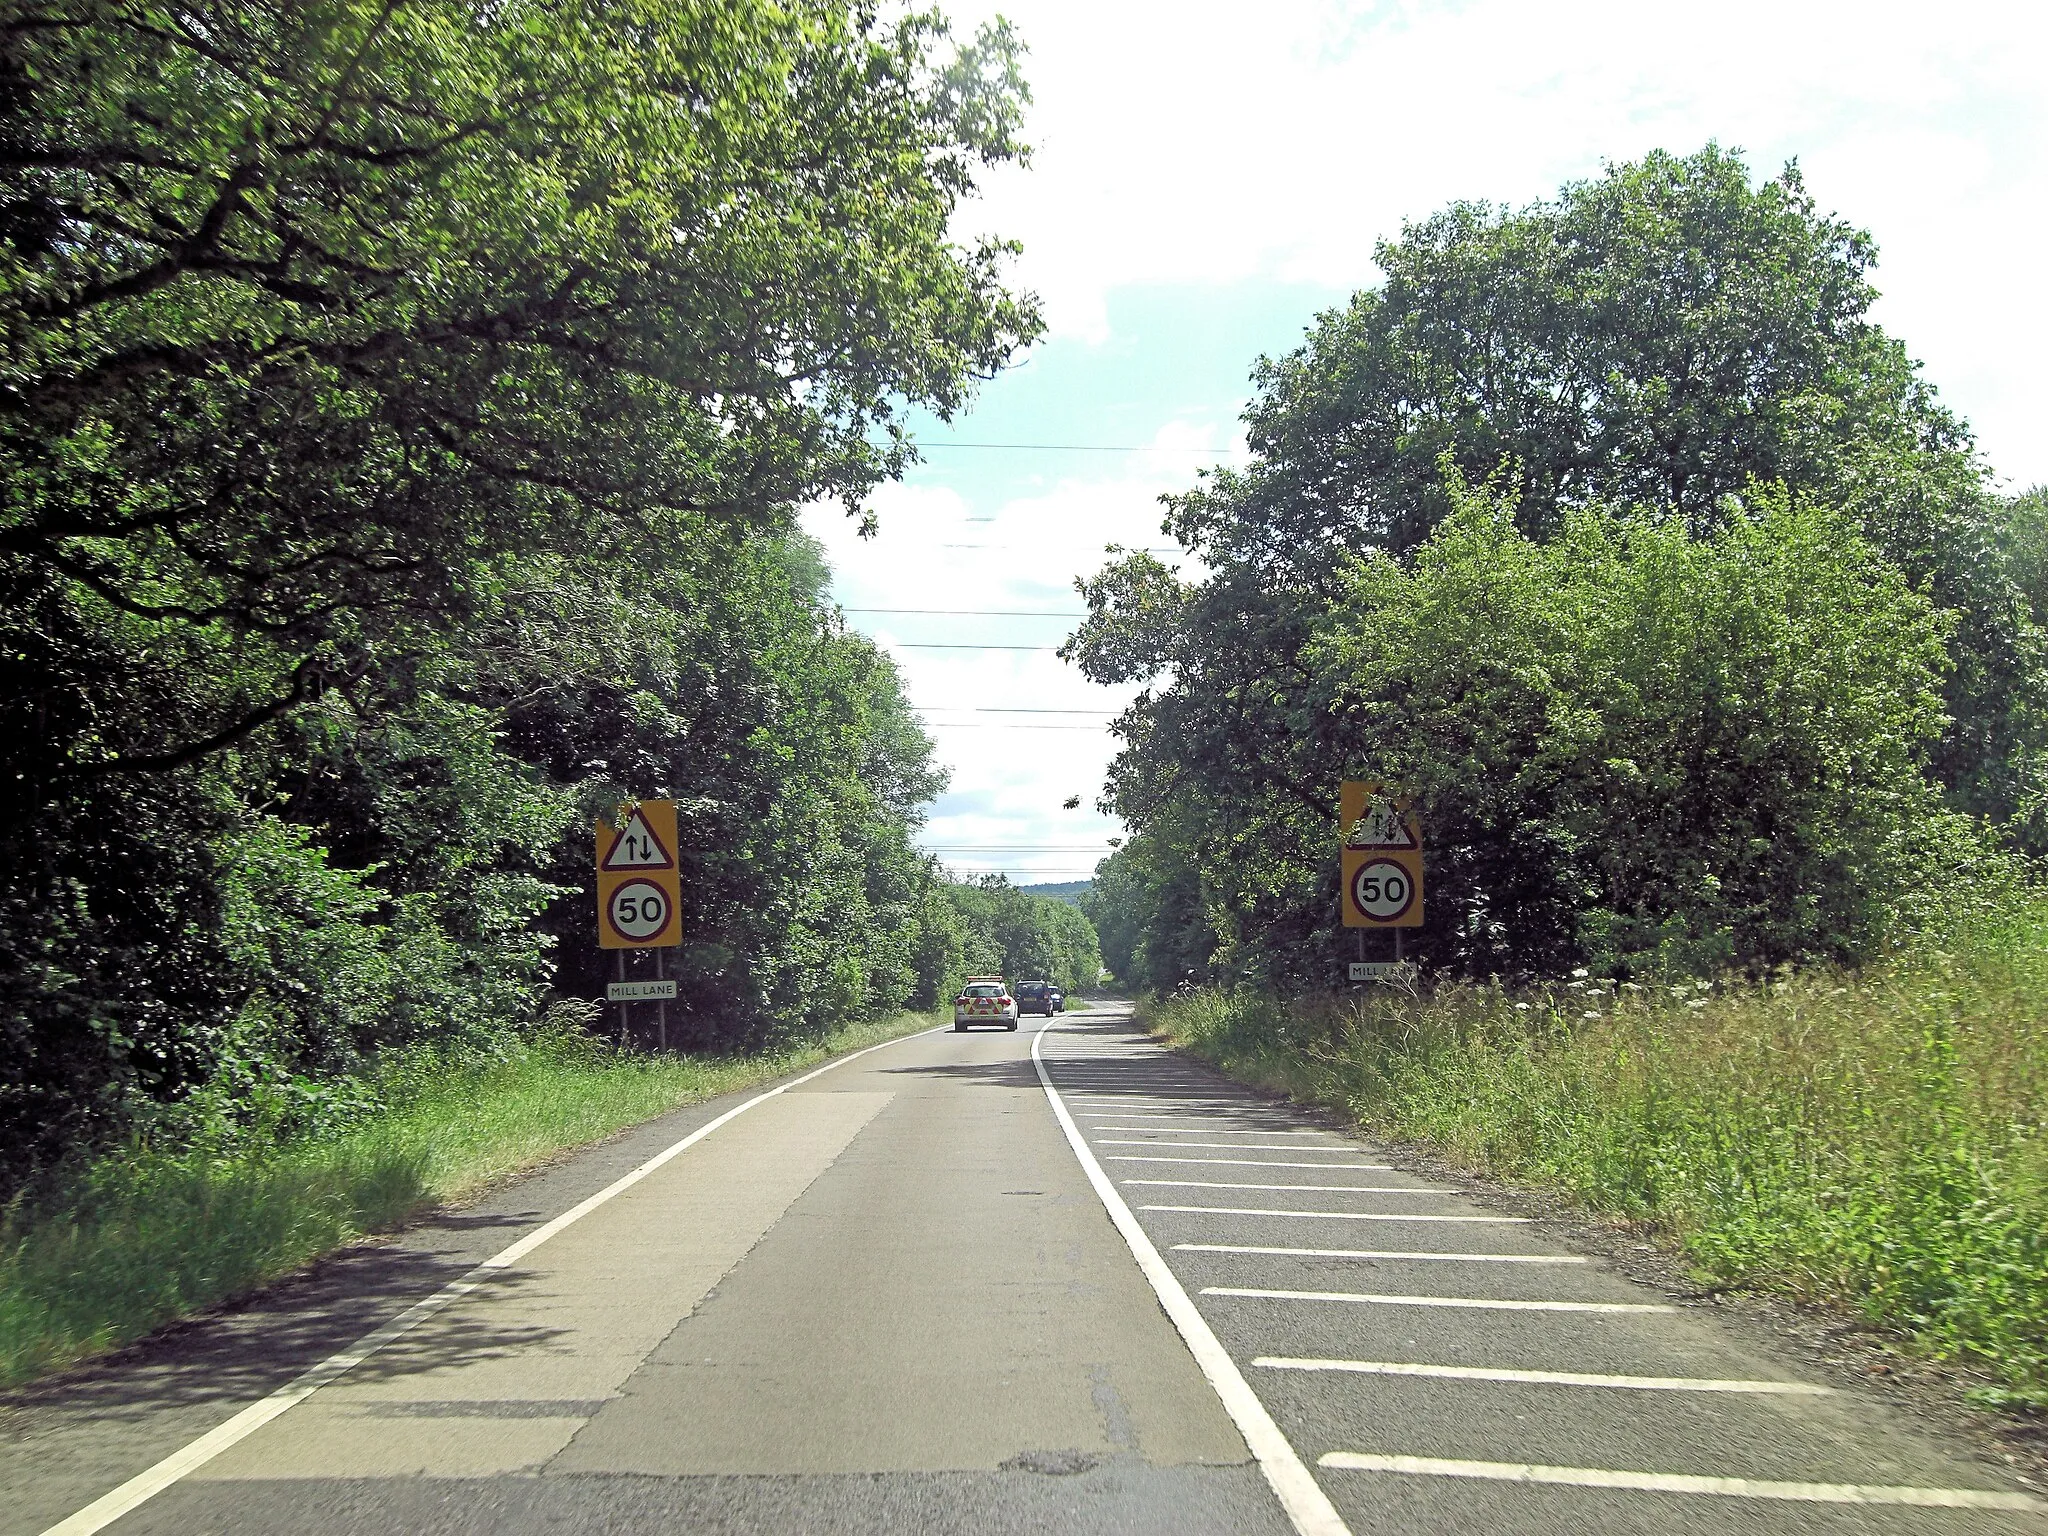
(639, 909)
(1382, 889)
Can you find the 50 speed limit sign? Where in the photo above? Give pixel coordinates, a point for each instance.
(639, 887)
(1382, 888)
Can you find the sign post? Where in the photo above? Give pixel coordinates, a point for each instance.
(1381, 839)
(639, 900)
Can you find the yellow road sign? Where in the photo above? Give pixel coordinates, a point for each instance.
(1382, 857)
(639, 887)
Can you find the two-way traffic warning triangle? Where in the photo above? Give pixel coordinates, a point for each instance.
(635, 846)
(1383, 825)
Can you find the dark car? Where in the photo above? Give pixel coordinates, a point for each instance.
(1040, 997)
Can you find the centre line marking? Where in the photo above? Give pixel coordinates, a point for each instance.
(1307, 1506)
(1245, 1162)
(1543, 1378)
(147, 1484)
(1473, 1303)
(1380, 1253)
(1326, 1189)
(1678, 1482)
(1234, 1210)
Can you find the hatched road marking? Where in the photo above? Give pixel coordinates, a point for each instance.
(1216, 1146)
(1244, 1162)
(1543, 1378)
(1676, 1482)
(1473, 1303)
(1175, 1141)
(1235, 1210)
(1321, 1189)
(1163, 1128)
(1380, 1253)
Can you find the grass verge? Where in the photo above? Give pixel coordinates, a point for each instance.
(1876, 1141)
(142, 1237)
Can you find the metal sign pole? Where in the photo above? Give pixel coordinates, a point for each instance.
(623, 1004)
(661, 1004)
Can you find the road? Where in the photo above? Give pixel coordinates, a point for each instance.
(1060, 1281)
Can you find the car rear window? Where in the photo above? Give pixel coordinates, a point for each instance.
(984, 991)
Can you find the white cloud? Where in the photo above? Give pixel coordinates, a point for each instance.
(1212, 142)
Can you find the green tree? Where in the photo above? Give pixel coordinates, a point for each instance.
(1024, 937)
(395, 397)
(1634, 748)
(1663, 335)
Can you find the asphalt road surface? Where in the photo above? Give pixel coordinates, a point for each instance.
(1059, 1281)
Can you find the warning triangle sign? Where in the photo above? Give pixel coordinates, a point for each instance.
(634, 846)
(1383, 825)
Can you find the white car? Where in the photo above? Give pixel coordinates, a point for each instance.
(984, 1000)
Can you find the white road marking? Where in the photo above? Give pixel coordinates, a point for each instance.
(1379, 1253)
(146, 1485)
(1292, 1483)
(1544, 1378)
(1214, 1146)
(1677, 1482)
(1338, 1189)
(1245, 1162)
(1234, 1210)
(1189, 1130)
(1474, 1303)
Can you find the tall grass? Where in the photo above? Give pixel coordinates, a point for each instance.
(146, 1235)
(1877, 1140)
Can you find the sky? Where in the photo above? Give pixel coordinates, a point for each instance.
(1206, 178)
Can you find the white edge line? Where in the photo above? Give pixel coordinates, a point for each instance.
(1544, 1378)
(1474, 1303)
(1289, 1477)
(146, 1485)
(1677, 1482)
(1379, 1253)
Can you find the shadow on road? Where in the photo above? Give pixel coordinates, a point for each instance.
(244, 1351)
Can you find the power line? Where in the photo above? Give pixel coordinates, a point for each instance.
(1148, 549)
(1007, 709)
(1085, 447)
(949, 645)
(979, 613)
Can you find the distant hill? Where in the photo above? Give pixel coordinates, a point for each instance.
(1060, 890)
